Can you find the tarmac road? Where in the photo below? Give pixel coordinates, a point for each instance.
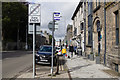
(14, 62)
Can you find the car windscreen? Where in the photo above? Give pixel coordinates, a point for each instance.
(46, 49)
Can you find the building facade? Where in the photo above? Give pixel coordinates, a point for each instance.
(100, 32)
(47, 37)
(113, 35)
(69, 35)
(79, 25)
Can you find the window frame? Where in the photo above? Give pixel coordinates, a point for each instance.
(117, 27)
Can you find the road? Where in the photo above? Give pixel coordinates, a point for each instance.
(14, 62)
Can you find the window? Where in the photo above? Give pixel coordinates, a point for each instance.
(89, 23)
(81, 27)
(89, 35)
(81, 9)
(75, 31)
(117, 27)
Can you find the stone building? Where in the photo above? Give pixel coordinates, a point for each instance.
(42, 38)
(47, 37)
(100, 32)
(113, 35)
(78, 25)
(69, 35)
(95, 32)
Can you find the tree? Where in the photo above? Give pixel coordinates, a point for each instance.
(14, 18)
(50, 39)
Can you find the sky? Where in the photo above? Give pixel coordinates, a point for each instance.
(66, 9)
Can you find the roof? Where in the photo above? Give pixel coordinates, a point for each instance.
(77, 9)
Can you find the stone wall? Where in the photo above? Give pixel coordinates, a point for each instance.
(112, 49)
(112, 53)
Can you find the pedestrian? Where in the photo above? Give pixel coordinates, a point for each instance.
(71, 50)
(75, 49)
(64, 51)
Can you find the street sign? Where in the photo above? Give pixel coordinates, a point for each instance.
(34, 13)
(34, 18)
(51, 25)
(56, 16)
(30, 29)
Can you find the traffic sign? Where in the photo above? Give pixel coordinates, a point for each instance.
(56, 16)
(51, 25)
(34, 13)
(30, 29)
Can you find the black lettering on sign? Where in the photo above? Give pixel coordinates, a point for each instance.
(34, 19)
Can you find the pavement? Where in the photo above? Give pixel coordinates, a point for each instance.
(77, 67)
(81, 67)
(43, 71)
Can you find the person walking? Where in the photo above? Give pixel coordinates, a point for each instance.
(75, 50)
(71, 50)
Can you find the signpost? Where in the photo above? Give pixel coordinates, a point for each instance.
(34, 17)
(56, 17)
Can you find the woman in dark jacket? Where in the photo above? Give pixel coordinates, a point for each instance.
(71, 50)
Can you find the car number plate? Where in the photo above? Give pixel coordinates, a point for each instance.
(44, 60)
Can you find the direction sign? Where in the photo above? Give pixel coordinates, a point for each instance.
(34, 13)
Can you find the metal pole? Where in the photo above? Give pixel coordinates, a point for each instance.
(85, 25)
(18, 39)
(33, 50)
(92, 29)
(52, 46)
(105, 32)
(26, 39)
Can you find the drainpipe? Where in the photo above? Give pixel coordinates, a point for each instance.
(85, 26)
(105, 32)
(92, 29)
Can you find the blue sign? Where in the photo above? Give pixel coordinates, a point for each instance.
(56, 16)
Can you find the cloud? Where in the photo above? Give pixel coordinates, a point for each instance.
(65, 8)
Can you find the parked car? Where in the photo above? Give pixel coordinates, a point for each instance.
(44, 55)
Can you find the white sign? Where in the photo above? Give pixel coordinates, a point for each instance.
(34, 13)
(30, 29)
(50, 25)
(56, 16)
